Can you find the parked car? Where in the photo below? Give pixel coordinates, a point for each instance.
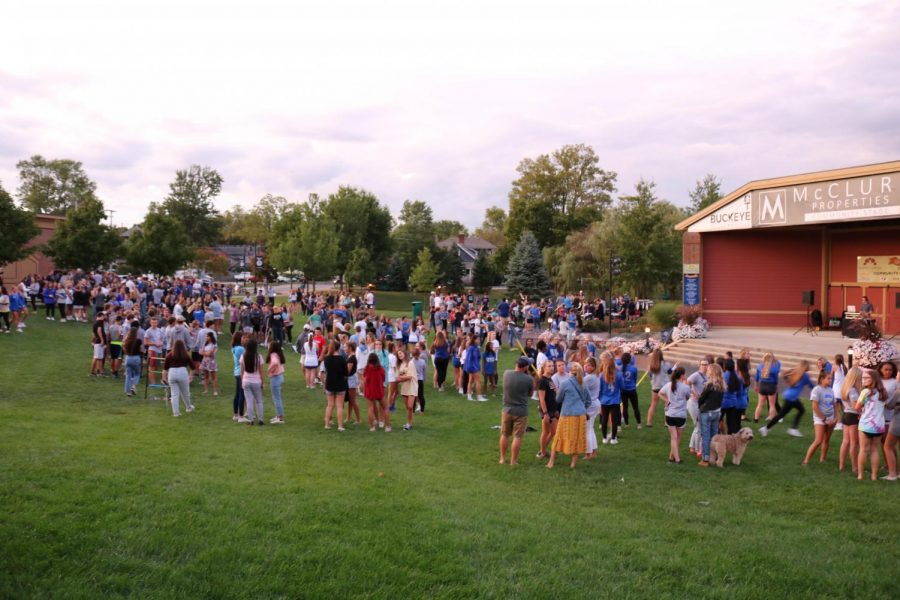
(243, 276)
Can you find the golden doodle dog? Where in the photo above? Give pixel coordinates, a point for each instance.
(736, 443)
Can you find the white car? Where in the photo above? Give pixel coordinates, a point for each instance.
(243, 276)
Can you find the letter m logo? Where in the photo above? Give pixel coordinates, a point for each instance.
(770, 207)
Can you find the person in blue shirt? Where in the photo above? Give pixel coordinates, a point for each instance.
(471, 369)
(610, 397)
(731, 398)
(49, 298)
(743, 371)
(571, 434)
(797, 380)
(767, 385)
(822, 364)
(489, 361)
(629, 389)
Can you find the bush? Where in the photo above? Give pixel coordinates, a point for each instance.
(688, 314)
(593, 326)
(663, 315)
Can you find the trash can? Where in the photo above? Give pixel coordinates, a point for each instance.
(416, 310)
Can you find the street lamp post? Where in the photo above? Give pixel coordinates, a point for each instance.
(615, 269)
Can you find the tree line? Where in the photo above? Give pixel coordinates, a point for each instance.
(561, 225)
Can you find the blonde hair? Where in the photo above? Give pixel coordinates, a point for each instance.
(797, 373)
(715, 378)
(577, 372)
(852, 380)
(768, 362)
(608, 368)
(656, 359)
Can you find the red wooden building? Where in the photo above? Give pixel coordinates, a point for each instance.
(749, 258)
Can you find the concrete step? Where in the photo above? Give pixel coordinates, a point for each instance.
(690, 352)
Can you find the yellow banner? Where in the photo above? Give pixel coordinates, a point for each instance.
(877, 269)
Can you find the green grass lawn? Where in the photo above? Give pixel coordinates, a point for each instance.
(106, 496)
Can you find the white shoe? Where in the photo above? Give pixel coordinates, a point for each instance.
(614, 441)
(244, 420)
(839, 426)
(470, 398)
(764, 431)
(606, 440)
(380, 424)
(460, 390)
(190, 408)
(482, 399)
(276, 421)
(639, 426)
(794, 433)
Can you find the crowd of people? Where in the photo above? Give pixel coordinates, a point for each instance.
(168, 330)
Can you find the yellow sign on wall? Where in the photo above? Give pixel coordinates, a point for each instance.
(877, 269)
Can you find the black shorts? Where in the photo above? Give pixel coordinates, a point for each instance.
(196, 357)
(115, 351)
(675, 421)
(850, 419)
(767, 389)
(873, 435)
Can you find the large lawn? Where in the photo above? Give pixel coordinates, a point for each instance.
(105, 496)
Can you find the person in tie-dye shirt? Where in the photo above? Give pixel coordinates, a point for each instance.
(871, 421)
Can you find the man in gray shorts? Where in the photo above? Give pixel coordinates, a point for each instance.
(517, 389)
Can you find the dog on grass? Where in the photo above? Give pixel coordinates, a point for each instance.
(736, 443)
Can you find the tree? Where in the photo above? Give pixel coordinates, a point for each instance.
(254, 226)
(395, 279)
(360, 270)
(492, 227)
(424, 276)
(361, 222)
(707, 191)
(160, 245)
(648, 244)
(190, 200)
(212, 261)
(17, 228)
(445, 229)
(557, 194)
(83, 241)
(307, 241)
(53, 187)
(415, 231)
(526, 274)
(482, 274)
(451, 269)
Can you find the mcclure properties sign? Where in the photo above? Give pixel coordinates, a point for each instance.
(878, 269)
(857, 198)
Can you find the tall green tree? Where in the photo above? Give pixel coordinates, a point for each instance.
(482, 274)
(451, 269)
(53, 187)
(361, 222)
(395, 279)
(160, 245)
(360, 269)
(526, 273)
(83, 240)
(425, 275)
(252, 226)
(446, 228)
(306, 240)
(707, 191)
(414, 232)
(491, 229)
(558, 193)
(191, 200)
(17, 228)
(648, 244)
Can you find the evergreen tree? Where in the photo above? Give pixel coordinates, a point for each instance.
(424, 276)
(526, 274)
(360, 268)
(450, 269)
(17, 228)
(395, 279)
(482, 274)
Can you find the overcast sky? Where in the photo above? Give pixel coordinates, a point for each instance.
(439, 101)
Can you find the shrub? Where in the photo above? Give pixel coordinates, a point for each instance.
(688, 315)
(663, 315)
(593, 326)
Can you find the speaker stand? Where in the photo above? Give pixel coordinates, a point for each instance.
(808, 327)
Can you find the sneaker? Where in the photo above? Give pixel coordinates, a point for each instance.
(614, 441)
(470, 398)
(215, 393)
(393, 408)
(235, 418)
(380, 424)
(261, 422)
(407, 427)
(764, 431)
(794, 433)
(275, 420)
(371, 429)
(839, 426)
(176, 414)
(341, 429)
(890, 477)
(418, 410)
(481, 399)
(639, 426)
(387, 429)
(606, 440)
(190, 408)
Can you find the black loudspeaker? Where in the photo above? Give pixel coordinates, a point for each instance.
(809, 298)
(897, 301)
(815, 319)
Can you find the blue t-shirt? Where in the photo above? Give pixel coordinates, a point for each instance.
(473, 360)
(792, 394)
(503, 309)
(49, 296)
(490, 363)
(629, 377)
(441, 351)
(773, 373)
(735, 399)
(610, 394)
